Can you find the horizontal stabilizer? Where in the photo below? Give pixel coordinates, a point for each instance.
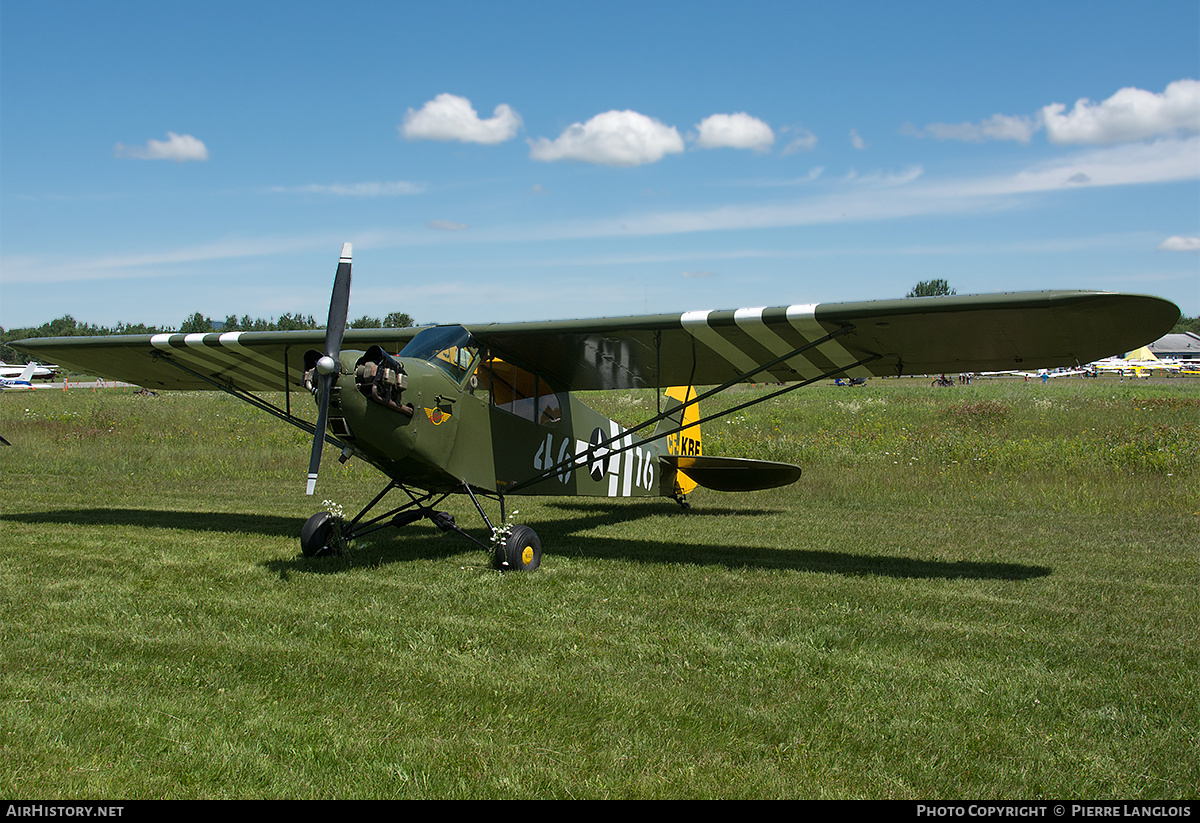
(733, 474)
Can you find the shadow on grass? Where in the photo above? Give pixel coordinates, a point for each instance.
(269, 525)
(559, 535)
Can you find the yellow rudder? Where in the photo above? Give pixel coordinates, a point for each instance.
(687, 441)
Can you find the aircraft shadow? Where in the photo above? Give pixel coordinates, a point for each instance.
(561, 536)
(419, 542)
(270, 525)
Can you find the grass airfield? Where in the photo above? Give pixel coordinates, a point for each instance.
(985, 591)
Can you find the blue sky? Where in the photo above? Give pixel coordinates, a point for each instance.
(530, 160)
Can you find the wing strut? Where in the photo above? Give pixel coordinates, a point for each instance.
(573, 461)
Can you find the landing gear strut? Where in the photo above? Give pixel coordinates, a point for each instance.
(517, 548)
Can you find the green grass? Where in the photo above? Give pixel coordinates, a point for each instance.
(988, 591)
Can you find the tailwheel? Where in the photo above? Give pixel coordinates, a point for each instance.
(322, 535)
(520, 551)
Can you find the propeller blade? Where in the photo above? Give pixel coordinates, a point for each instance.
(325, 383)
(328, 366)
(339, 305)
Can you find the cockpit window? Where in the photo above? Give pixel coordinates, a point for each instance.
(450, 347)
(520, 392)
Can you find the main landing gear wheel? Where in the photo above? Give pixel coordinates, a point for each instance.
(321, 535)
(522, 551)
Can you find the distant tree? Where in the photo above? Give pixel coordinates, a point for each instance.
(65, 326)
(196, 324)
(931, 288)
(137, 328)
(1186, 324)
(253, 324)
(292, 322)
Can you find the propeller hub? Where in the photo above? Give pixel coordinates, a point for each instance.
(327, 365)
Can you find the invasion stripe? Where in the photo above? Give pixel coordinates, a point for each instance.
(211, 357)
(225, 363)
(277, 368)
(803, 319)
(751, 321)
(696, 323)
(236, 358)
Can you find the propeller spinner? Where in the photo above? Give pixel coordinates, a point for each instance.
(327, 365)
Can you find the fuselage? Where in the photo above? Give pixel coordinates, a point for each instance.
(444, 413)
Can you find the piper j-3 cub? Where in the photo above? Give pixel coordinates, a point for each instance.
(488, 411)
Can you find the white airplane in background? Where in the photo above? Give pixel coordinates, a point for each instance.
(7, 370)
(1042, 373)
(23, 381)
(1139, 363)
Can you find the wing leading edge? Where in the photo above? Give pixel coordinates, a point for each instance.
(912, 336)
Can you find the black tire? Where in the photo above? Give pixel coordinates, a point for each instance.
(522, 551)
(318, 537)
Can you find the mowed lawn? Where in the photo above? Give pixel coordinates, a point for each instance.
(985, 591)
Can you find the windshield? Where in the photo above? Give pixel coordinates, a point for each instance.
(450, 347)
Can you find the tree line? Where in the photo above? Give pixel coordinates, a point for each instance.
(197, 323)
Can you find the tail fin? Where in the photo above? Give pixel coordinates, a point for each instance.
(27, 374)
(684, 420)
(692, 469)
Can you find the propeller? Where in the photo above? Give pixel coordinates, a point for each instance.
(328, 365)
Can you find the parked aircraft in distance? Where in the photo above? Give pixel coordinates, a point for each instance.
(39, 371)
(24, 380)
(1139, 363)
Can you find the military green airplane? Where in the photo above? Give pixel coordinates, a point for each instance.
(489, 412)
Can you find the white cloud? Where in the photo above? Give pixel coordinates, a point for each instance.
(1178, 243)
(178, 147)
(392, 189)
(1167, 160)
(885, 179)
(911, 193)
(996, 127)
(614, 138)
(734, 131)
(1130, 114)
(447, 225)
(856, 140)
(1160, 161)
(804, 140)
(449, 117)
